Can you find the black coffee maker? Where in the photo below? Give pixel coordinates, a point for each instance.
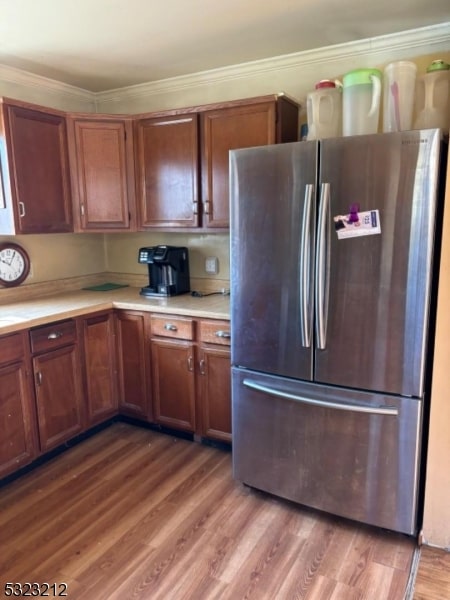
(168, 270)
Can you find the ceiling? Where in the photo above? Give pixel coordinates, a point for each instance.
(99, 45)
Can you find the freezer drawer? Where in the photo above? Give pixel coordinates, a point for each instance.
(350, 453)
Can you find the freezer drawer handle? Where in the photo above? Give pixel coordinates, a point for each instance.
(305, 269)
(380, 410)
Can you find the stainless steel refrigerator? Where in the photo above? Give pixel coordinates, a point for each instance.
(334, 246)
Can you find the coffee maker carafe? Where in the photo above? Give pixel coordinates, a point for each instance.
(168, 270)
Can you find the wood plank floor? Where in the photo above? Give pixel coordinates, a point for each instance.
(433, 576)
(135, 514)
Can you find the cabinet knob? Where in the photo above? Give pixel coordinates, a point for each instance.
(170, 327)
(54, 335)
(202, 367)
(223, 334)
(206, 207)
(21, 209)
(190, 363)
(38, 376)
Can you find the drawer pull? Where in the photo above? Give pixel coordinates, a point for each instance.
(190, 364)
(202, 367)
(170, 327)
(223, 334)
(54, 335)
(38, 378)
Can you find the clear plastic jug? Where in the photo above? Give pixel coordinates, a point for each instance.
(399, 80)
(324, 110)
(433, 97)
(361, 101)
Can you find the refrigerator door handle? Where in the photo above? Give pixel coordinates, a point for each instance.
(305, 268)
(322, 266)
(361, 408)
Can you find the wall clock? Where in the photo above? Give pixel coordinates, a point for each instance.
(14, 264)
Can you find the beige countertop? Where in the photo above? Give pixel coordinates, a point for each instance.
(25, 314)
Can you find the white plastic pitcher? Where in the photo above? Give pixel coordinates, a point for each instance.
(399, 79)
(433, 97)
(324, 110)
(361, 101)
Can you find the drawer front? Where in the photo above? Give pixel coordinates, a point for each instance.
(11, 348)
(53, 336)
(215, 332)
(172, 327)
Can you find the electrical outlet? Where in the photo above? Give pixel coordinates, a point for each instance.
(212, 265)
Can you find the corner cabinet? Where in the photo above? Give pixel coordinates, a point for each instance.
(102, 171)
(99, 352)
(35, 195)
(18, 441)
(182, 158)
(133, 365)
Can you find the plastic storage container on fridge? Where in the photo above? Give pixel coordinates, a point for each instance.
(433, 97)
(324, 110)
(399, 79)
(361, 101)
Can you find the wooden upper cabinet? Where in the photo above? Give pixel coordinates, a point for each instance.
(175, 148)
(102, 170)
(254, 122)
(167, 164)
(35, 195)
(225, 129)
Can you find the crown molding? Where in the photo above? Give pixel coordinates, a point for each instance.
(29, 80)
(427, 39)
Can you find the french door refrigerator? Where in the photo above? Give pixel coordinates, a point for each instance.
(334, 246)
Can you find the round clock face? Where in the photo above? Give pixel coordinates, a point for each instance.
(14, 264)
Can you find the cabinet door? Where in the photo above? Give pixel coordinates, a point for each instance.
(226, 129)
(102, 166)
(133, 365)
(100, 367)
(215, 392)
(58, 395)
(38, 170)
(173, 383)
(17, 419)
(167, 171)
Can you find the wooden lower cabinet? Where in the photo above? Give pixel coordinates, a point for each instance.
(100, 366)
(18, 440)
(215, 393)
(191, 375)
(174, 383)
(214, 368)
(133, 365)
(59, 379)
(57, 383)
